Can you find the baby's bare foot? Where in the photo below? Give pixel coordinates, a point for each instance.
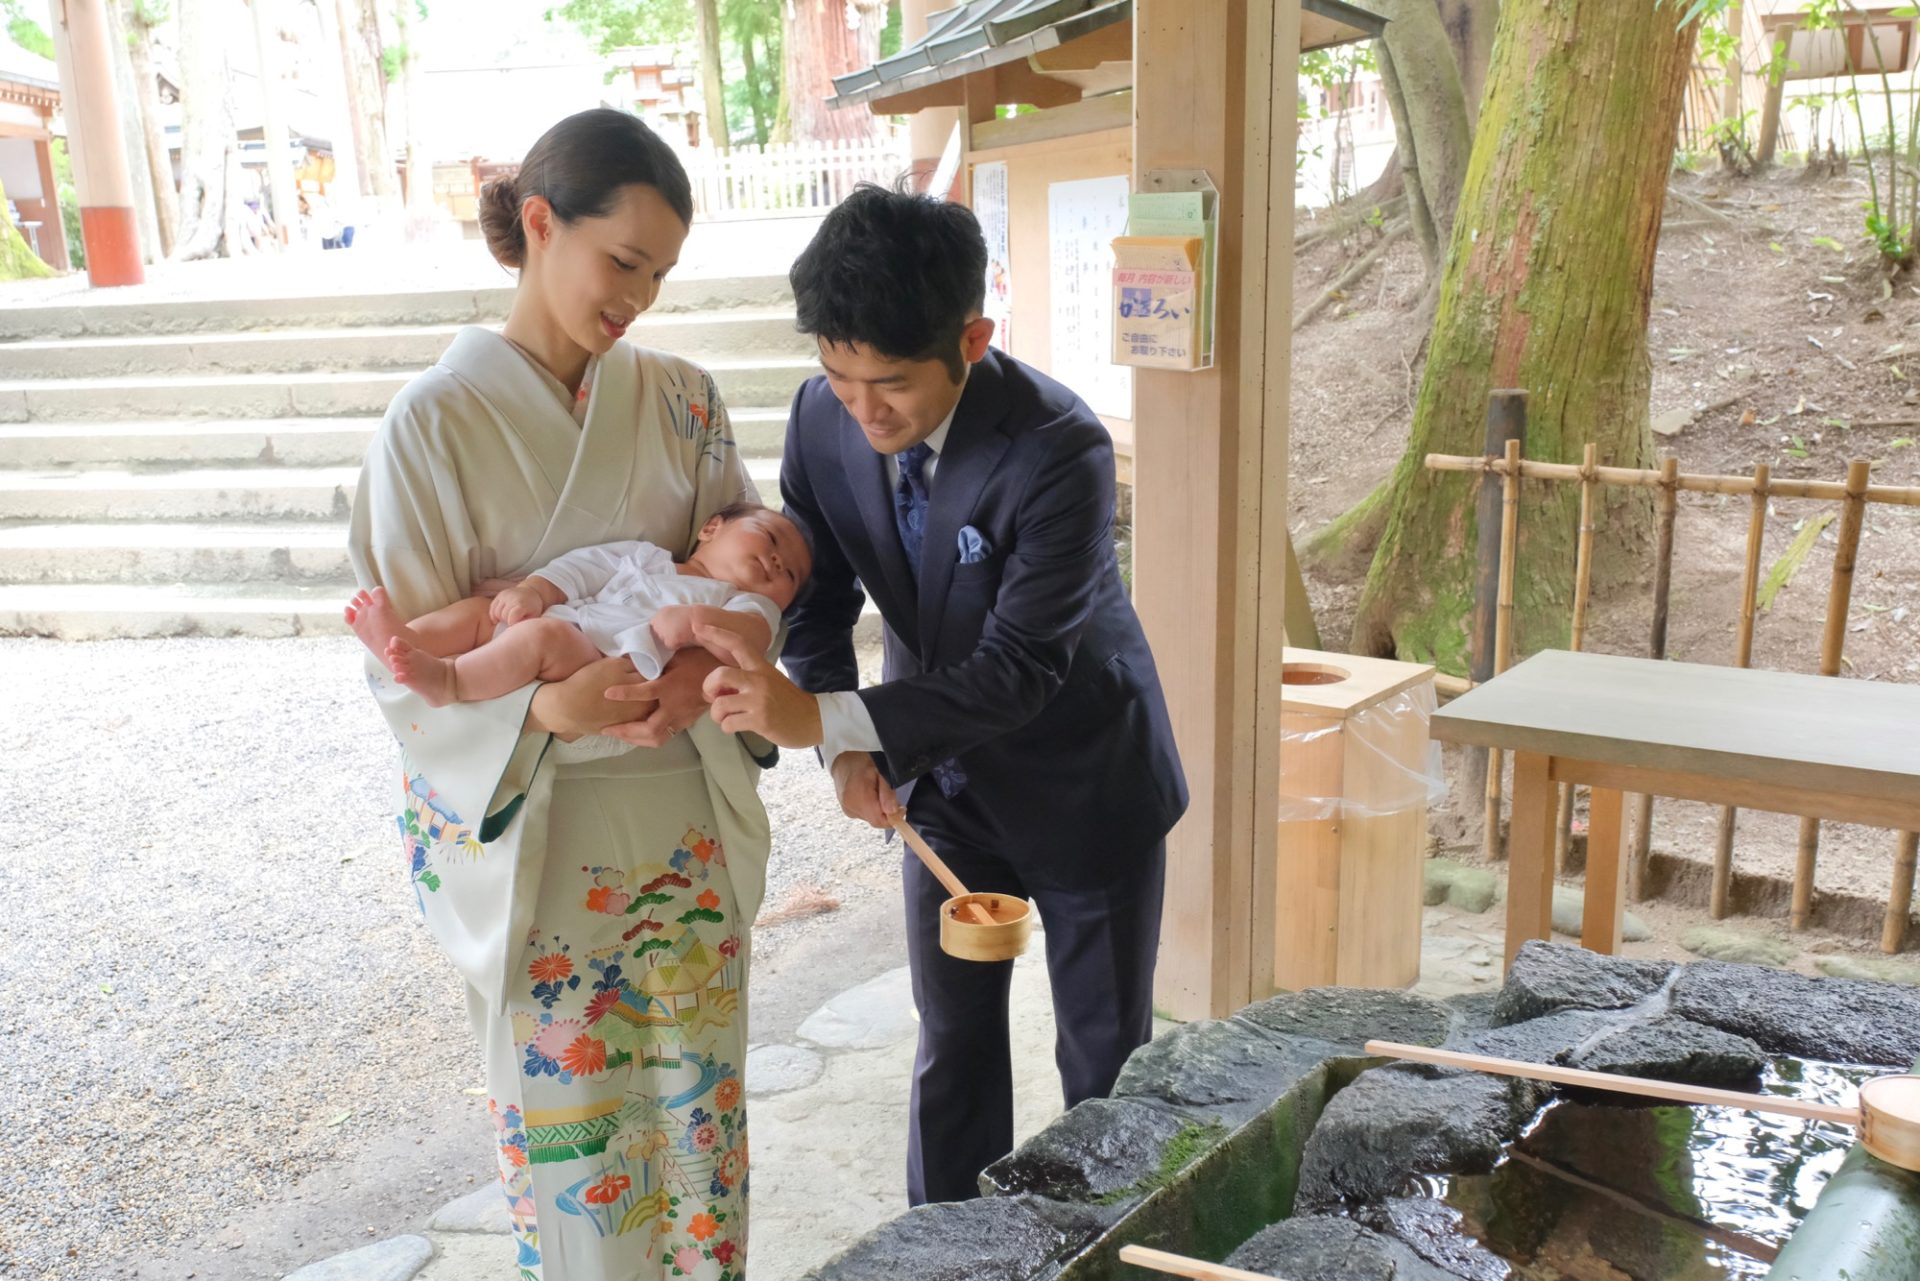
(429, 677)
(374, 621)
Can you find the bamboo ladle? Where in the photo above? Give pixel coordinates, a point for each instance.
(973, 927)
(1181, 1266)
(1887, 1113)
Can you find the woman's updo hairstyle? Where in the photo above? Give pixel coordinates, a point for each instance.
(579, 166)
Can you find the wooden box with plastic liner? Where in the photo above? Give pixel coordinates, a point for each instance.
(1358, 772)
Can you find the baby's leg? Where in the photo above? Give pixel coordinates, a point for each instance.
(544, 649)
(461, 626)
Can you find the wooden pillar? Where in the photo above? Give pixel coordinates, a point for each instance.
(1214, 88)
(53, 228)
(101, 179)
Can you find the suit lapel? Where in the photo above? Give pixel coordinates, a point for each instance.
(866, 472)
(975, 444)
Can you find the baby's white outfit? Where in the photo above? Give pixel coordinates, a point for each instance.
(614, 590)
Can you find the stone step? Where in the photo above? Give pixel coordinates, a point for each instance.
(361, 393)
(120, 611)
(208, 496)
(720, 335)
(424, 307)
(117, 611)
(130, 554)
(196, 494)
(295, 442)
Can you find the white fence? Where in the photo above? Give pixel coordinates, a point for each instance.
(753, 182)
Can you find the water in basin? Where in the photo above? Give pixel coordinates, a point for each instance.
(1598, 1191)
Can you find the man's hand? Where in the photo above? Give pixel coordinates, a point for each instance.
(579, 705)
(751, 695)
(863, 793)
(517, 604)
(678, 699)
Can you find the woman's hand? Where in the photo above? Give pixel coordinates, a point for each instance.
(674, 702)
(579, 705)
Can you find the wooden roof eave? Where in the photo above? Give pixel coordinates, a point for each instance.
(943, 85)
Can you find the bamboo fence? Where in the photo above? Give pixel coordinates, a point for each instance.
(1854, 494)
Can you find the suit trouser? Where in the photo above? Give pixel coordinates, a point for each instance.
(1101, 946)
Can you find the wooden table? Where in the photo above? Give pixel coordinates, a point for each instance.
(1817, 746)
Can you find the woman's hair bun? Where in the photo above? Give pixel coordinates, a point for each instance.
(500, 222)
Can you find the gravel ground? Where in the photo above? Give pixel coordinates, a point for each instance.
(232, 1044)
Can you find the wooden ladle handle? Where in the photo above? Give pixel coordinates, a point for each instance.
(1180, 1266)
(1636, 1085)
(938, 866)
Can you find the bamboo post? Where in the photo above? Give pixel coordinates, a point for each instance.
(1657, 648)
(1506, 420)
(1893, 936)
(1503, 631)
(1722, 903)
(1582, 585)
(1832, 641)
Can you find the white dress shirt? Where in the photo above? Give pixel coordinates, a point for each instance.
(845, 723)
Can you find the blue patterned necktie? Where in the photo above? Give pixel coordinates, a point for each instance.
(910, 515)
(910, 502)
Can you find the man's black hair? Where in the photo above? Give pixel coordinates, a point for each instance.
(900, 272)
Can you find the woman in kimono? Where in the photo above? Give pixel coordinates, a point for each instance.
(591, 874)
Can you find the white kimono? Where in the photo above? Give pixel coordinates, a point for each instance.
(614, 590)
(596, 898)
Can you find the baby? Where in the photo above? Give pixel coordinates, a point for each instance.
(614, 599)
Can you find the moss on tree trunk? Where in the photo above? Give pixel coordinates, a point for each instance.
(1548, 281)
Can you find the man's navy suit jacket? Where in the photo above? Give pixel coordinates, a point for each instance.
(1027, 666)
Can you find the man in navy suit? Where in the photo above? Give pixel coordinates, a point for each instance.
(1019, 716)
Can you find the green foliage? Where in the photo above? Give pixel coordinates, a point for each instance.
(69, 204)
(890, 36)
(393, 62)
(24, 31)
(1333, 73)
(615, 24)
(751, 35)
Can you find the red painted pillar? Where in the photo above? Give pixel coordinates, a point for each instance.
(101, 179)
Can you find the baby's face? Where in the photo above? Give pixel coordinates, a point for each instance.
(761, 552)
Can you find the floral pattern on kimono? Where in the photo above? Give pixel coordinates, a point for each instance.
(658, 1003)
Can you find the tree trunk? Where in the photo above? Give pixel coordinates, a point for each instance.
(346, 15)
(209, 152)
(343, 122)
(1548, 282)
(1430, 113)
(1469, 25)
(713, 87)
(282, 204)
(419, 163)
(749, 69)
(166, 199)
(360, 32)
(824, 39)
(133, 134)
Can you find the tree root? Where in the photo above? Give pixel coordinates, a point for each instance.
(1350, 276)
(1695, 205)
(1346, 220)
(1349, 540)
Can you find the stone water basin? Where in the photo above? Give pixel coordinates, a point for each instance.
(1272, 1142)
